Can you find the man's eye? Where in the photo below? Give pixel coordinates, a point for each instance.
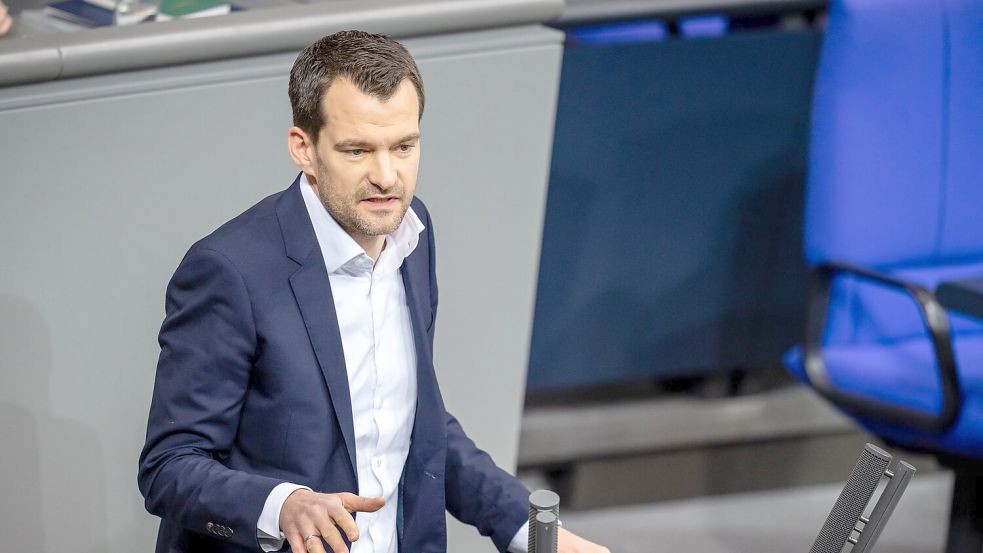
(405, 148)
(356, 152)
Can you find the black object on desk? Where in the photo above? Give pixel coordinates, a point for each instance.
(965, 296)
(847, 522)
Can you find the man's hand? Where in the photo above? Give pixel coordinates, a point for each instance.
(306, 513)
(568, 542)
(5, 20)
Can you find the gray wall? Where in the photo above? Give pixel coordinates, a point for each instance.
(107, 181)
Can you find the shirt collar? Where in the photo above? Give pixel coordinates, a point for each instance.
(339, 249)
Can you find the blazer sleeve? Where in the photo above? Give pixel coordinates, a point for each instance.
(480, 493)
(207, 342)
(477, 491)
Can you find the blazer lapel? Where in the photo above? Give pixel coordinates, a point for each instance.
(429, 423)
(312, 290)
(421, 489)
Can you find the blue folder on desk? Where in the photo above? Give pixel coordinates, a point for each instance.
(80, 12)
(91, 13)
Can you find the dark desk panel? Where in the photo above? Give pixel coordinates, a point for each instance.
(672, 237)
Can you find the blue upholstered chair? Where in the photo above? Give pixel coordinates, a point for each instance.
(894, 207)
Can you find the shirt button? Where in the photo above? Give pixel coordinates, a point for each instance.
(377, 462)
(379, 403)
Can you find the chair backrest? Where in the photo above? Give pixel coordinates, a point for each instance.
(896, 159)
(962, 234)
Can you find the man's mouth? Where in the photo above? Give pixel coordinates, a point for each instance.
(381, 201)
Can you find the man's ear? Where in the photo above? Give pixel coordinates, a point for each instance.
(302, 149)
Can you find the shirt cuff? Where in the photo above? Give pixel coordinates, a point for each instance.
(268, 526)
(520, 541)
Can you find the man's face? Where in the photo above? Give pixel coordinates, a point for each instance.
(367, 156)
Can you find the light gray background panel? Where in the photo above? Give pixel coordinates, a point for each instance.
(482, 183)
(107, 182)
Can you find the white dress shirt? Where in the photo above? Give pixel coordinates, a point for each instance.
(380, 356)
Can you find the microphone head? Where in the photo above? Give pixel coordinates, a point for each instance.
(876, 452)
(544, 500)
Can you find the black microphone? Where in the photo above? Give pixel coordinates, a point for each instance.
(544, 513)
(846, 522)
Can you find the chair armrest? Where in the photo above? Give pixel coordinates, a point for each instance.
(965, 296)
(936, 322)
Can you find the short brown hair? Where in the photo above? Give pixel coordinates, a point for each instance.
(376, 64)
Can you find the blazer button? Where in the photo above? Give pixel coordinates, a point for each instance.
(211, 528)
(226, 532)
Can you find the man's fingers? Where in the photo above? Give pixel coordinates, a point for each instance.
(344, 520)
(312, 545)
(568, 542)
(331, 535)
(296, 543)
(354, 503)
(328, 515)
(299, 545)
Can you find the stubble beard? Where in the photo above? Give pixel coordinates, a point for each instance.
(344, 209)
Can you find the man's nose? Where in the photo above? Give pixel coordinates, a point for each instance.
(383, 174)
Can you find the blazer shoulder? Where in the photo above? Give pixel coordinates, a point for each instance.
(420, 209)
(248, 234)
(423, 213)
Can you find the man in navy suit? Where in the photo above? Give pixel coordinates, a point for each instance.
(295, 385)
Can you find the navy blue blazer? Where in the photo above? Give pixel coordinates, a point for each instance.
(252, 390)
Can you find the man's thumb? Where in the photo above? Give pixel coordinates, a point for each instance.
(355, 503)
